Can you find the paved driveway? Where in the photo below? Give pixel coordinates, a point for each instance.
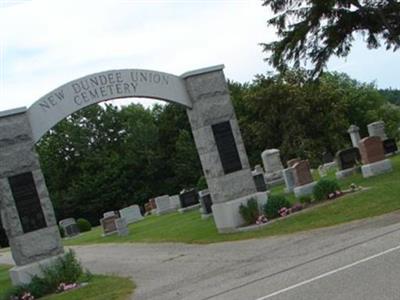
(360, 260)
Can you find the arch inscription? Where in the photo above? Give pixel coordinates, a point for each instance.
(77, 94)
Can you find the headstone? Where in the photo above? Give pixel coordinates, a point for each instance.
(206, 202)
(373, 157)
(272, 161)
(109, 214)
(348, 158)
(371, 150)
(189, 198)
(258, 169)
(153, 204)
(121, 227)
(131, 214)
(290, 163)
(302, 173)
(303, 179)
(288, 176)
(259, 181)
(377, 129)
(108, 225)
(69, 226)
(327, 157)
(354, 133)
(390, 146)
(175, 202)
(147, 207)
(163, 205)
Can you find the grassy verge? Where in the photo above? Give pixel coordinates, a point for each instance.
(381, 198)
(100, 288)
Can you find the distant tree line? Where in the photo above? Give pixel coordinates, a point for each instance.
(391, 95)
(105, 158)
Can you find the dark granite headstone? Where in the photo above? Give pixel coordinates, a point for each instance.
(3, 237)
(226, 146)
(206, 202)
(348, 158)
(327, 157)
(27, 201)
(390, 146)
(259, 181)
(72, 230)
(189, 198)
(371, 149)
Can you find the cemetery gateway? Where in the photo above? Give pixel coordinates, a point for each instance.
(26, 210)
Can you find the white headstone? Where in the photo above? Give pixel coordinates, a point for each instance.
(109, 214)
(288, 176)
(175, 202)
(272, 165)
(377, 129)
(163, 204)
(122, 227)
(131, 214)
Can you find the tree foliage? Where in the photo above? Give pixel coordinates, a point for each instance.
(312, 30)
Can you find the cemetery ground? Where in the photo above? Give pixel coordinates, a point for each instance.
(100, 288)
(381, 197)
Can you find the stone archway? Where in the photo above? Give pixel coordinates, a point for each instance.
(26, 209)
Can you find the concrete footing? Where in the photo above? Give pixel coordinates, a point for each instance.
(227, 216)
(304, 190)
(347, 172)
(376, 168)
(23, 274)
(189, 208)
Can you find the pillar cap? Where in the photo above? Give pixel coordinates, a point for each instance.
(202, 71)
(353, 128)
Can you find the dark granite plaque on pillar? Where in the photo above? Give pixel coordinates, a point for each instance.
(27, 202)
(226, 146)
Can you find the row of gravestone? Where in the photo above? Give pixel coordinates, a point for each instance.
(187, 200)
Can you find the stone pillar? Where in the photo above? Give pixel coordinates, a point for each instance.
(354, 133)
(377, 129)
(220, 146)
(26, 210)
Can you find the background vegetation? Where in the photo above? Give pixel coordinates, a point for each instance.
(105, 158)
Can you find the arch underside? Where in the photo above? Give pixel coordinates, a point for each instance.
(73, 96)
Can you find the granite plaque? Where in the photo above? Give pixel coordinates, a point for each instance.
(27, 202)
(226, 146)
(260, 182)
(390, 146)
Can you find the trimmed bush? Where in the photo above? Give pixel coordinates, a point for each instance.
(250, 211)
(83, 225)
(305, 199)
(274, 204)
(66, 269)
(202, 183)
(324, 187)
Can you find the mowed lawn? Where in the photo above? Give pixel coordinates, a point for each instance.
(100, 288)
(383, 196)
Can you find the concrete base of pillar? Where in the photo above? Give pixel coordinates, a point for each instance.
(376, 168)
(347, 172)
(23, 274)
(227, 216)
(304, 190)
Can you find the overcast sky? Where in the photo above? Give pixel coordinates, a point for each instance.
(45, 44)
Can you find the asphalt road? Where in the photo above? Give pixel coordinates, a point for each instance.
(360, 260)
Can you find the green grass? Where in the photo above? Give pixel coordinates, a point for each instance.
(100, 288)
(382, 197)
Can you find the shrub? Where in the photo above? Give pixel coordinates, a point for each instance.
(83, 225)
(274, 204)
(250, 211)
(66, 269)
(305, 199)
(324, 187)
(202, 183)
